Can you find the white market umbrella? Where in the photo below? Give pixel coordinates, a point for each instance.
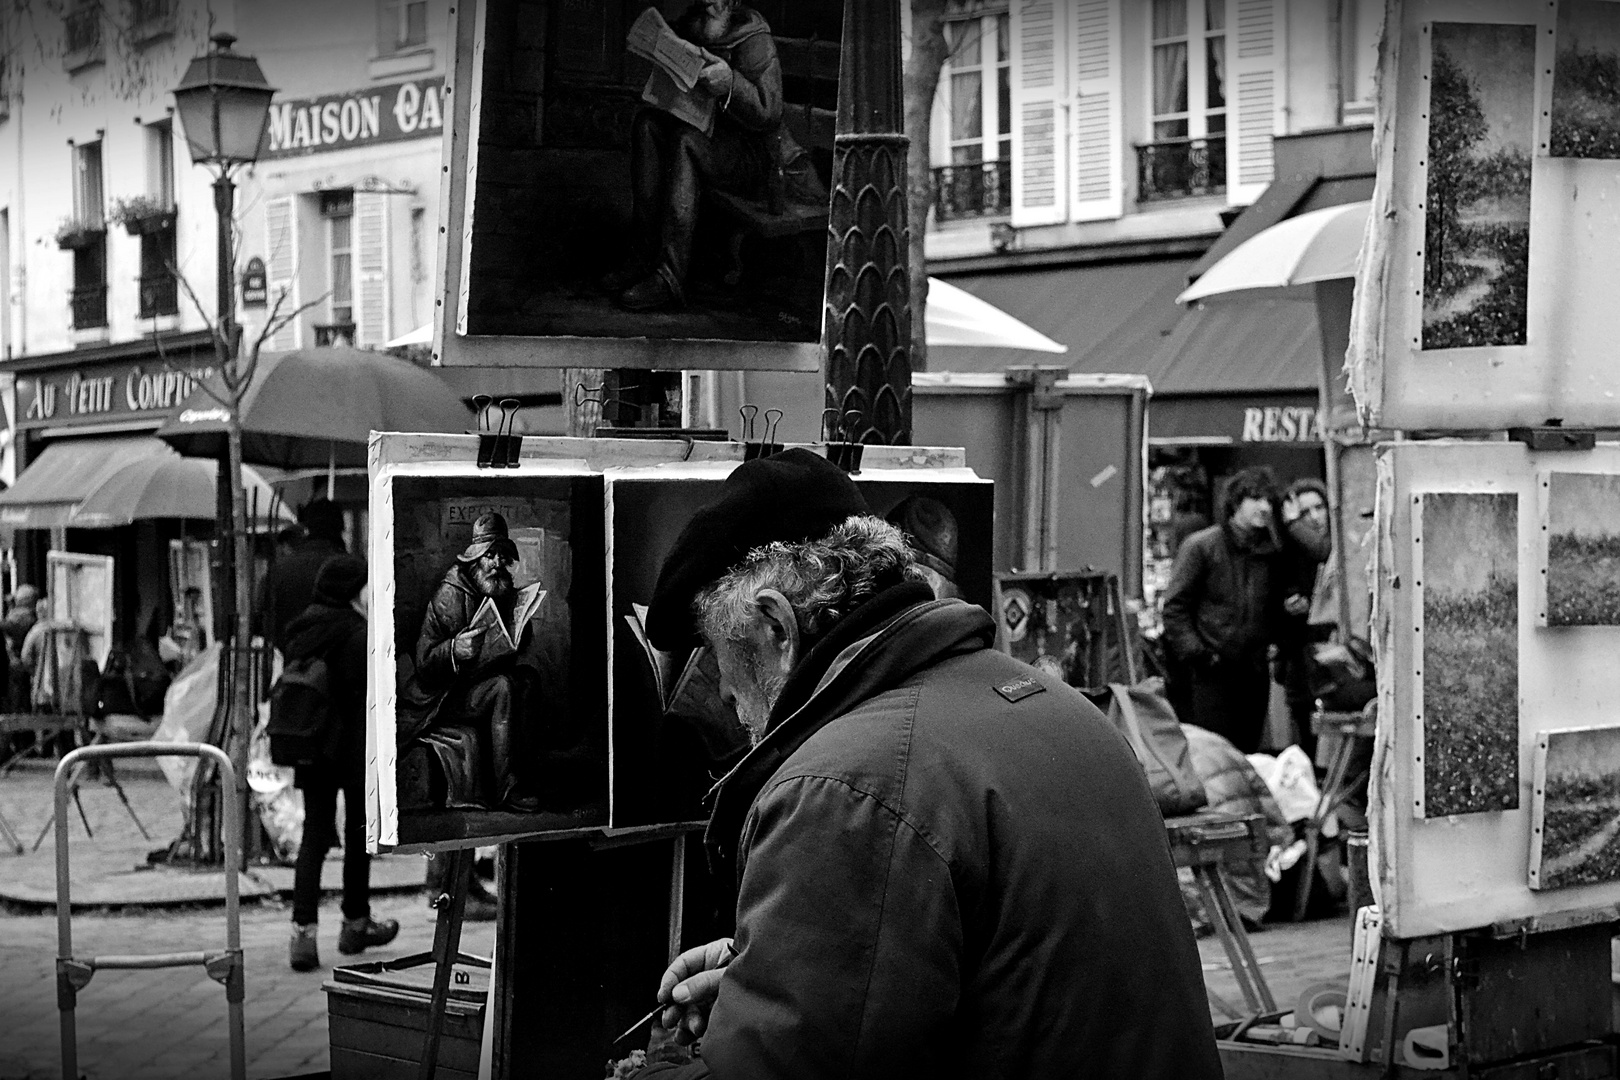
(955, 319)
(1289, 257)
(169, 486)
(422, 335)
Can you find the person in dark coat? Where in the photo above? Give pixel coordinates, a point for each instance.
(450, 683)
(286, 592)
(1307, 541)
(333, 627)
(1221, 612)
(947, 863)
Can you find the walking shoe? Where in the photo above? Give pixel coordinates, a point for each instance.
(359, 935)
(301, 951)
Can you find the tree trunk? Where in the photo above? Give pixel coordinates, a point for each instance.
(928, 54)
(241, 722)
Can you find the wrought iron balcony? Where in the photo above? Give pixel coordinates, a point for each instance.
(150, 19)
(1178, 168)
(89, 306)
(978, 189)
(160, 295)
(81, 31)
(327, 334)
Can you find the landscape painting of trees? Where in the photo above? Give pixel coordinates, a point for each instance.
(1477, 202)
(1583, 549)
(1575, 817)
(1469, 572)
(1586, 81)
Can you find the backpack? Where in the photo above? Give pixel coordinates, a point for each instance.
(303, 725)
(1143, 715)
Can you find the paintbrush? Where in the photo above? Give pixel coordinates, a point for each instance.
(730, 955)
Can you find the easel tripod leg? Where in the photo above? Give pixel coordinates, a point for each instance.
(452, 904)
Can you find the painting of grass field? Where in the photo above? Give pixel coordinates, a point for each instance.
(1577, 809)
(1586, 81)
(1476, 257)
(1583, 549)
(1470, 635)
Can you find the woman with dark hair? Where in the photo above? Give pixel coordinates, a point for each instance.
(1220, 616)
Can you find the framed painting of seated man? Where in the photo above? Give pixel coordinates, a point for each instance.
(646, 173)
(487, 717)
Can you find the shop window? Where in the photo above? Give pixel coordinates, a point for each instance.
(401, 26)
(337, 208)
(976, 88)
(1186, 154)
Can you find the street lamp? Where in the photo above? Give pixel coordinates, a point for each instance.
(224, 106)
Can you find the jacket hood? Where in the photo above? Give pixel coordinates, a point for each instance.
(876, 647)
(319, 628)
(745, 23)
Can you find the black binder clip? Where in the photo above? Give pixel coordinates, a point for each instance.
(845, 452)
(768, 447)
(498, 449)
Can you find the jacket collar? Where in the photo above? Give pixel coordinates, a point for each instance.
(878, 646)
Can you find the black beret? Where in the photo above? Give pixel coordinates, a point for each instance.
(789, 497)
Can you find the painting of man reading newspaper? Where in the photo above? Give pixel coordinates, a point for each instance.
(654, 171)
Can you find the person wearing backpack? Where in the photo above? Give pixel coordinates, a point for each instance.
(317, 721)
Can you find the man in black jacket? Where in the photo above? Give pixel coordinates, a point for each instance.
(1221, 612)
(286, 592)
(947, 863)
(334, 629)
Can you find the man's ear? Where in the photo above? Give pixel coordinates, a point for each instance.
(781, 625)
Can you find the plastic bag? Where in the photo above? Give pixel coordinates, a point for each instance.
(279, 804)
(1292, 780)
(188, 712)
(1144, 716)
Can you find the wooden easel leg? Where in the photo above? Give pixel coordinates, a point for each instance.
(452, 904)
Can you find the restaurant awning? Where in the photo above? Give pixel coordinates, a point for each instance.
(66, 471)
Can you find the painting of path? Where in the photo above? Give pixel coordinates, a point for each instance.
(1470, 647)
(1576, 817)
(1586, 81)
(1476, 253)
(1583, 550)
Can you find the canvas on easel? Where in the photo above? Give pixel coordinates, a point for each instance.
(1580, 577)
(1575, 820)
(80, 593)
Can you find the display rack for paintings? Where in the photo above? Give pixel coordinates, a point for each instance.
(556, 718)
(1483, 298)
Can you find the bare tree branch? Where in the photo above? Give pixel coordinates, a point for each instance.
(170, 365)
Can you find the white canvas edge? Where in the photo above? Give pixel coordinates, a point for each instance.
(472, 85)
(1538, 809)
(382, 690)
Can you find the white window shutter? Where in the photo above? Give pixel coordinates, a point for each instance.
(371, 307)
(1097, 127)
(1256, 109)
(1039, 73)
(281, 267)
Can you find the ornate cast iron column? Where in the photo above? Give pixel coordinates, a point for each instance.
(866, 335)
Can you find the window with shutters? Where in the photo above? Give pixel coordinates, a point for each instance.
(159, 291)
(1186, 154)
(1361, 22)
(337, 208)
(401, 26)
(89, 296)
(976, 87)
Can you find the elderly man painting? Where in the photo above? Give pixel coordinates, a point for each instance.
(454, 685)
(673, 163)
(947, 863)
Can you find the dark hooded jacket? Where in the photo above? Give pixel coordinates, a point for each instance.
(948, 864)
(337, 633)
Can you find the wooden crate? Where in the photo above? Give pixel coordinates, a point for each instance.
(377, 1018)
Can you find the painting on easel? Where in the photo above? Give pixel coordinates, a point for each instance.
(1583, 549)
(1575, 823)
(1586, 84)
(1468, 573)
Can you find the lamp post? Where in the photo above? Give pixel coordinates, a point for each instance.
(224, 106)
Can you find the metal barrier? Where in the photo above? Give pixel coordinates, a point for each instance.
(224, 966)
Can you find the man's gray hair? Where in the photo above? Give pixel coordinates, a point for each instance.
(823, 580)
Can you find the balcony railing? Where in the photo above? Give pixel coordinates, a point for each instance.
(1178, 168)
(160, 295)
(328, 334)
(89, 306)
(978, 189)
(150, 19)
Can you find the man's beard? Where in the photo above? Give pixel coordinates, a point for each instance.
(714, 23)
(493, 581)
(755, 701)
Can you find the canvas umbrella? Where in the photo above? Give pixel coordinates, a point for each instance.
(167, 485)
(316, 408)
(955, 319)
(1289, 258)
